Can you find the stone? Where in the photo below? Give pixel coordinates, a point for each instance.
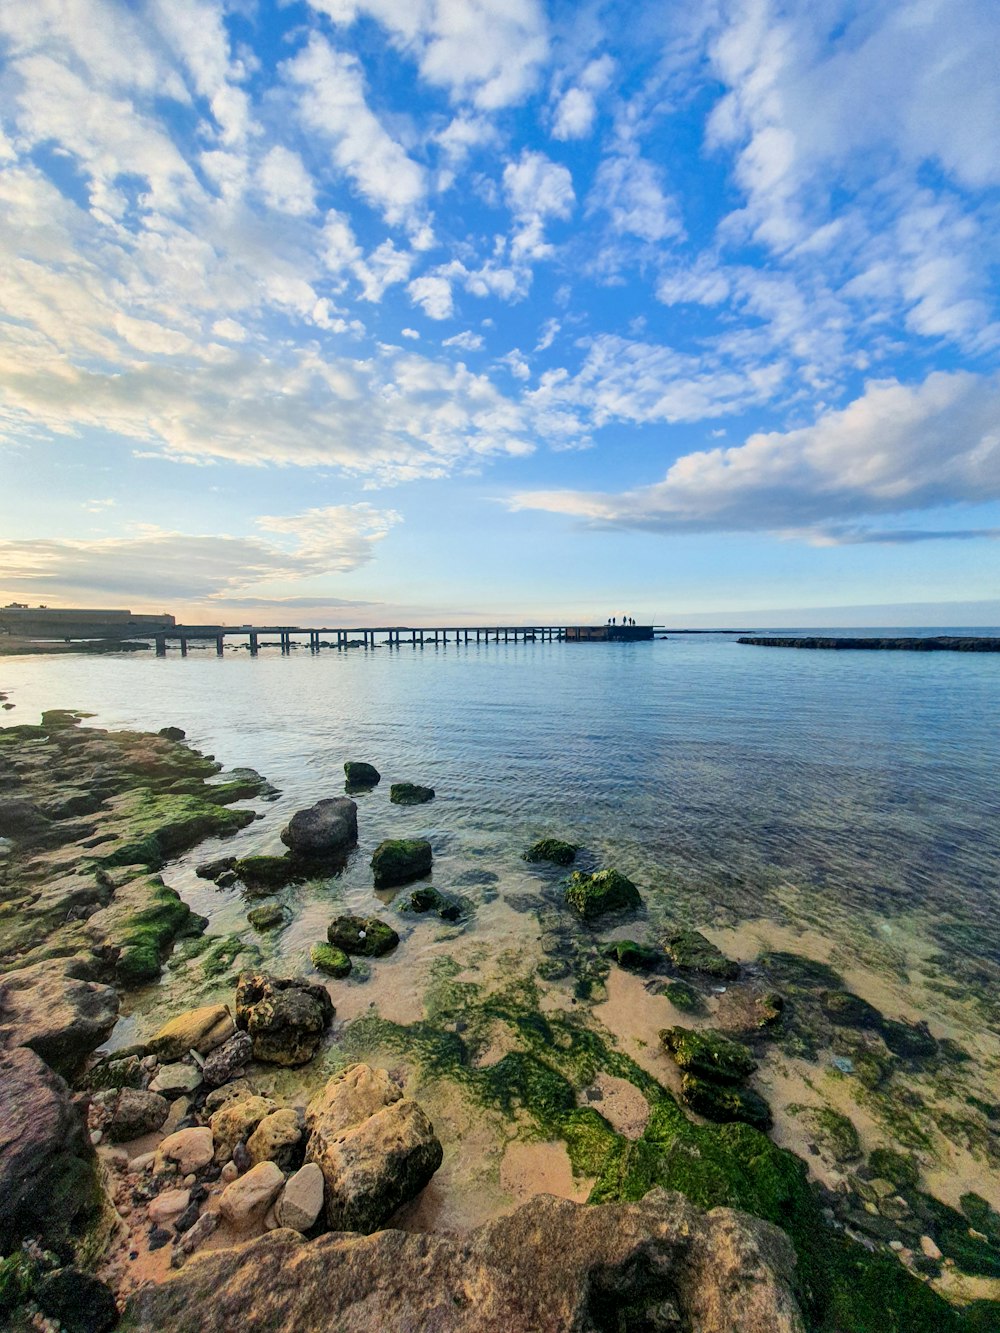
(375, 1166)
(329, 959)
(229, 1061)
(605, 891)
(21, 821)
(191, 1149)
(178, 1113)
(709, 1054)
(550, 1265)
(240, 1087)
(78, 1300)
(410, 793)
(53, 1008)
(849, 1010)
(350, 1096)
(48, 1170)
(326, 828)
(368, 936)
(397, 860)
(632, 956)
(285, 1017)
(168, 1205)
(268, 916)
(301, 1201)
(552, 849)
(229, 1173)
(929, 1248)
(724, 1103)
(176, 1079)
(427, 899)
(278, 1138)
(198, 1030)
(133, 1112)
(244, 1202)
(213, 869)
(261, 873)
(113, 1072)
(692, 952)
(359, 774)
(236, 1121)
(172, 733)
(199, 1233)
(187, 1219)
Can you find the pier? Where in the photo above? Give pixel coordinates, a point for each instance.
(390, 636)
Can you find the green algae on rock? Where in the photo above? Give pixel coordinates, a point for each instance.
(690, 951)
(427, 899)
(834, 1132)
(551, 849)
(604, 891)
(709, 1054)
(329, 959)
(724, 1103)
(141, 923)
(684, 997)
(397, 860)
(368, 936)
(267, 872)
(268, 916)
(410, 793)
(632, 956)
(900, 1168)
(153, 827)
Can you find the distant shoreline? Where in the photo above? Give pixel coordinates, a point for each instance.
(931, 644)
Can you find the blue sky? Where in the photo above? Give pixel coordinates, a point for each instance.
(390, 310)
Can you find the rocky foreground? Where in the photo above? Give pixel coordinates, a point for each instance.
(173, 1160)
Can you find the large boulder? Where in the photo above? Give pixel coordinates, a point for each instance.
(550, 1265)
(398, 860)
(285, 1017)
(52, 1008)
(604, 891)
(49, 1183)
(200, 1030)
(350, 1096)
(326, 828)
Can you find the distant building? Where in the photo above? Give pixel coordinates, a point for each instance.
(41, 622)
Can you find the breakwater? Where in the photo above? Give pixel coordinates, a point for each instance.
(938, 644)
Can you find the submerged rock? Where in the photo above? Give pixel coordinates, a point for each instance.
(605, 891)
(329, 959)
(55, 1010)
(552, 849)
(200, 1030)
(400, 859)
(267, 917)
(410, 793)
(692, 952)
(328, 827)
(361, 775)
(427, 899)
(286, 1017)
(551, 1265)
(634, 957)
(369, 937)
(725, 1103)
(684, 997)
(709, 1054)
(213, 869)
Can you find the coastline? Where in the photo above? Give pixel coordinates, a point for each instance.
(541, 1064)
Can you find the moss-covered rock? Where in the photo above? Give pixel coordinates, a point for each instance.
(605, 891)
(909, 1041)
(329, 959)
(142, 922)
(684, 997)
(268, 916)
(410, 793)
(835, 1133)
(154, 827)
(427, 899)
(709, 1054)
(397, 860)
(899, 1168)
(552, 849)
(367, 936)
(981, 1215)
(266, 872)
(849, 1010)
(725, 1103)
(634, 957)
(690, 951)
(359, 775)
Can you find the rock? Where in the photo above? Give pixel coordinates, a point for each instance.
(709, 1054)
(634, 957)
(267, 872)
(229, 1061)
(301, 1200)
(367, 936)
(349, 1097)
(191, 1149)
(21, 821)
(52, 1008)
(929, 1248)
(834, 1132)
(134, 1112)
(361, 775)
(605, 891)
(285, 1017)
(326, 828)
(213, 869)
(199, 1233)
(240, 1087)
(278, 1138)
(692, 952)
(241, 1158)
(178, 1113)
(236, 1121)
(427, 899)
(229, 1173)
(168, 1205)
(78, 1300)
(227, 879)
(410, 793)
(113, 1072)
(551, 1265)
(187, 1219)
(267, 917)
(684, 997)
(725, 1103)
(174, 1080)
(849, 1010)
(400, 859)
(329, 959)
(245, 1201)
(910, 1041)
(171, 733)
(48, 1170)
(200, 1030)
(552, 849)
(375, 1166)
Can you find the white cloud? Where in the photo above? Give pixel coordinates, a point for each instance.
(285, 183)
(487, 52)
(467, 341)
(576, 109)
(409, 333)
(537, 189)
(433, 295)
(547, 337)
(629, 189)
(332, 104)
(895, 449)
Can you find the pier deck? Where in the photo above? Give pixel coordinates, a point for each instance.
(391, 636)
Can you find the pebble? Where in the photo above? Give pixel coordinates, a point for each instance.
(168, 1205)
(187, 1219)
(241, 1158)
(929, 1248)
(896, 1245)
(229, 1173)
(143, 1162)
(95, 1136)
(190, 1179)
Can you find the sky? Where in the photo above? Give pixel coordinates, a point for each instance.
(402, 311)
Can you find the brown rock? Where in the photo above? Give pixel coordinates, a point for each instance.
(52, 1008)
(285, 1016)
(277, 1139)
(191, 1149)
(349, 1097)
(199, 1030)
(244, 1202)
(236, 1121)
(550, 1266)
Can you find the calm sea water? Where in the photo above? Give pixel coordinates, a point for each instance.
(714, 774)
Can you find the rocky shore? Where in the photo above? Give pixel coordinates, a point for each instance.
(249, 1162)
(936, 643)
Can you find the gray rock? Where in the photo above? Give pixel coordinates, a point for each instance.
(52, 1008)
(132, 1113)
(324, 829)
(302, 1199)
(228, 1062)
(173, 1080)
(286, 1017)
